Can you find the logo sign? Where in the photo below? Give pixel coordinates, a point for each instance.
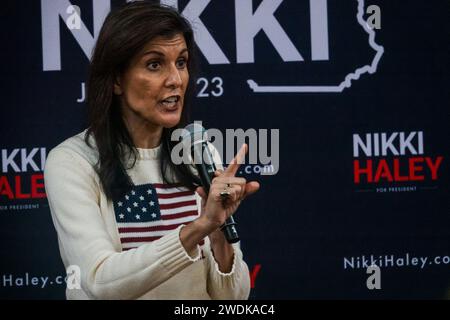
(22, 178)
(273, 50)
(394, 162)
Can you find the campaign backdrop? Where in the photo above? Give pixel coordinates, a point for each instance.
(353, 95)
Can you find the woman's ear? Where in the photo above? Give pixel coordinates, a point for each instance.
(117, 87)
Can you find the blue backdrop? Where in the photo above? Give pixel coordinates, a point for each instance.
(363, 116)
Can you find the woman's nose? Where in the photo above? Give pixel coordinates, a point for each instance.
(174, 77)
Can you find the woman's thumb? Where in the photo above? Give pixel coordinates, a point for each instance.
(201, 192)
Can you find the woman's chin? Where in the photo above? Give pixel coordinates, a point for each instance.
(170, 122)
(170, 117)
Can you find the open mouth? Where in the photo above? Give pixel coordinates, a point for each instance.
(170, 102)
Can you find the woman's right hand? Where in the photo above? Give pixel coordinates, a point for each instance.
(215, 208)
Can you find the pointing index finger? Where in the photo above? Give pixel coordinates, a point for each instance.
(236, 162)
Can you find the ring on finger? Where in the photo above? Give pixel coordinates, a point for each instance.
(225, 193)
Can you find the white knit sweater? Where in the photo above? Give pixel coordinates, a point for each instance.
(92, 236)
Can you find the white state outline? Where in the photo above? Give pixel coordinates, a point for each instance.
(348, 79)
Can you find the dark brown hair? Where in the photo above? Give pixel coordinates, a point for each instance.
(124, 34)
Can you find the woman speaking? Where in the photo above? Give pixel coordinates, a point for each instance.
(135, 224)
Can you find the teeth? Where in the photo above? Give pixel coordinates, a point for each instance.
(171, 99)
(169, 104)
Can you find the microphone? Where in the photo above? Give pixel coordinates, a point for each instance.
(196, 136)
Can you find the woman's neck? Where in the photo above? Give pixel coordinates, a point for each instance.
(145, 136)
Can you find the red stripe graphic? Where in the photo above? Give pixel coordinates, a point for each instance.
(179, 215)
(147, 239)
(149, 229)
(139, 239)
(174, 195)
(178, 204)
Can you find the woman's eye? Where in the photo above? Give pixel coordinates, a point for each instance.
(153, 65)
(181, 63)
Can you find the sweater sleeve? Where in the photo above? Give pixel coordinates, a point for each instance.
(234, 285)
(73, 193)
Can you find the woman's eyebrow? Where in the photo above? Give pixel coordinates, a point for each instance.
(153, 52)
(162, 54)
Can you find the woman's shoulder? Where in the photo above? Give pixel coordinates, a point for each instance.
(75, 148)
